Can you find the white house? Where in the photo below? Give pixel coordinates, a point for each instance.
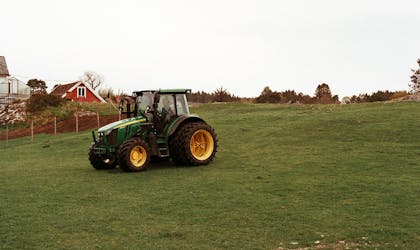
(10, 86)
(4, 76)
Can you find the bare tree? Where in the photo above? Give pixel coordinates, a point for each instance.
(92, 78)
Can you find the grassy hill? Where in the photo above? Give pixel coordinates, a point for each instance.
(284, 177)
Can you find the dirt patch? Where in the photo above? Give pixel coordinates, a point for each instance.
(86, 122)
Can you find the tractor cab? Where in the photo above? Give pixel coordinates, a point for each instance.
(158, 107)
(168, 103)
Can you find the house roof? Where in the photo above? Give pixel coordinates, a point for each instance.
(61, 90)
(3, 67)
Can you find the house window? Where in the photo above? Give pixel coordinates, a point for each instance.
(81, 92)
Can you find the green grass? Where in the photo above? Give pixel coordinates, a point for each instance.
(283, 174)
(68, 108)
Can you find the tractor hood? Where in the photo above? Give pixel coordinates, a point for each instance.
(123, 123)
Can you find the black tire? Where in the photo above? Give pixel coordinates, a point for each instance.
(134, 155)
(180, 144)
(102, 162)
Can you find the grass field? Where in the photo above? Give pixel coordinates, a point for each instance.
(326, 177)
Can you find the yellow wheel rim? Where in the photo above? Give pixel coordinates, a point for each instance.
(138, 156)
(202, 144)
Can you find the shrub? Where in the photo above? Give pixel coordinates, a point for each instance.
(39, 102)
(222, 95)
(268, 96)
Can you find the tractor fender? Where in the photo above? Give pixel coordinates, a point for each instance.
(181, 120)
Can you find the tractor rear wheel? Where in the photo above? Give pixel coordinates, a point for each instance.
(134, 155)
(193, 144)
(102, 162)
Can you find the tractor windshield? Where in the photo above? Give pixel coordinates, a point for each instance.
(144, 101)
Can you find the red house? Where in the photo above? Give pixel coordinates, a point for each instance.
(77, 91)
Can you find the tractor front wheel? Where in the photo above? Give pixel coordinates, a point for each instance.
(102, 162)
(134, 155)
(193, 144)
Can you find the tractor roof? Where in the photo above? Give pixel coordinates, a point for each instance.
(165, 91)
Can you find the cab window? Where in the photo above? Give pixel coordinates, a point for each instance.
(143, 101)
(166, 104)
(181, 105)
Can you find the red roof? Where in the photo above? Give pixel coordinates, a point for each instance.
(61, 89)
(65, 91)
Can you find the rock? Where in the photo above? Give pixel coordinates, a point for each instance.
(12, 113)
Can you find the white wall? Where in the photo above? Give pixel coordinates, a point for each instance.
(16, 86)
(3, 85)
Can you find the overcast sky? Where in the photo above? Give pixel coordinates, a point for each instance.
(354, 46)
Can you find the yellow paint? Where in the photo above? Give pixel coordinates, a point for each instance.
(138, 156)
(202, 144)
(130, 123)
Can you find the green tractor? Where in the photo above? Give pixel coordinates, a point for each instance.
(160, 126)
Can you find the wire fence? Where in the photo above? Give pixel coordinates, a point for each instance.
(54, 126)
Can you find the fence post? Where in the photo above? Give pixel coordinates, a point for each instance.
(7, 133)
(77, 123)
(32, 131)
(55, 126)
(97, 118)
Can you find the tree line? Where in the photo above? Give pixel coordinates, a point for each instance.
(219, 95)
(322, 95)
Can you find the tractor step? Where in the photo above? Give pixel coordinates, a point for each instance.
(163, 147)
(163, 152)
